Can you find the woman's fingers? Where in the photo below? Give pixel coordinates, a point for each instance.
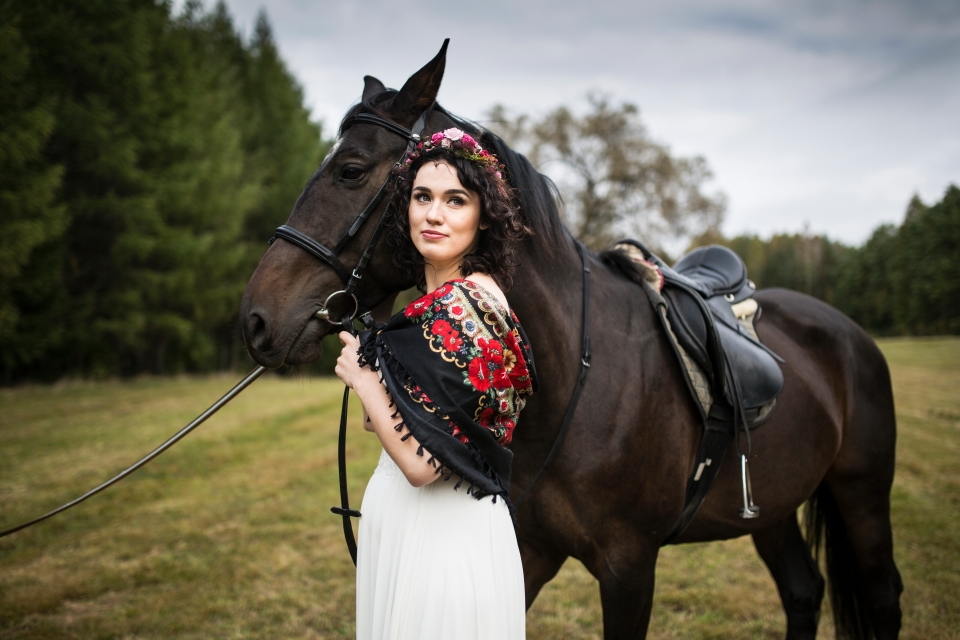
(347, 365)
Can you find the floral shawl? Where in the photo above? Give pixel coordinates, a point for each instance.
(459, 368)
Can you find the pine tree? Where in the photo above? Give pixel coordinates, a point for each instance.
(142, 152)
(29, 217)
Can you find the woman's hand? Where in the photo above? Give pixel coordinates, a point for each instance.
(348, 369)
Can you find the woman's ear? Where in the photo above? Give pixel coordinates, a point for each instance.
(484, 224)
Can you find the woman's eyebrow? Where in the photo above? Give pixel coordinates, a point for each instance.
(451, 192)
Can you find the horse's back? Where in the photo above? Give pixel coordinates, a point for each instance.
(813, 333)
(814, 337)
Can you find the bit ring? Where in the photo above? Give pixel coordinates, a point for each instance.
(323, 313)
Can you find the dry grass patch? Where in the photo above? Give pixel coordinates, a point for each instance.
(229, 535)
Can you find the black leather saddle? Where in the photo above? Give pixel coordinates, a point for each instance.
(700, 289)
(695, 306)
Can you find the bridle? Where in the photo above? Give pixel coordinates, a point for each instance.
(361, 310)
(351, 279)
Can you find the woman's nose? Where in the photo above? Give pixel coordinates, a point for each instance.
(433, 213)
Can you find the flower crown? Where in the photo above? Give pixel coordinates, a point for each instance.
(461, 144)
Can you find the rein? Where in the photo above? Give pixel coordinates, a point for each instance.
(216, 406)
(350, 279)
(361, 310)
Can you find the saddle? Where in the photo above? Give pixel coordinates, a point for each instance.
(705, 304)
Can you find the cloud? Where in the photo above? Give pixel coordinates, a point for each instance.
(831, 112)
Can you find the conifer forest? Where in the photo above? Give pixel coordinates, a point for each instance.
(147, 153)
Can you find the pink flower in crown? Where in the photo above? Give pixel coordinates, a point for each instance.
(453, 134)
(484, 153)
(445, 143)
(437, 137)
(498, 174)
(468, 140)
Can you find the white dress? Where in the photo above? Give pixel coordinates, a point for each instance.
(434, 563)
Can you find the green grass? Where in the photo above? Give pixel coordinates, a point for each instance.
(229, 534)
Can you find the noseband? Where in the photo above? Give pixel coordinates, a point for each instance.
(351, 279)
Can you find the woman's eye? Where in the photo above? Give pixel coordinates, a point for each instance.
(456, 202)
(352, 172)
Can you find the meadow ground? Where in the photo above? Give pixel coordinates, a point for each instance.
(229, 534)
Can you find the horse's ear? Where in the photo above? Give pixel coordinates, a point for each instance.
(420, 90)
(371, 87)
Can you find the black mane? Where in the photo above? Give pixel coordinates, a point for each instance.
(538, 195)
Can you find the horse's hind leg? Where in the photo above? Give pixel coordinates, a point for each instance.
(782, 548)
(865, 533)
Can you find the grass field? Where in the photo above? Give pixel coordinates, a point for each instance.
(228, 535)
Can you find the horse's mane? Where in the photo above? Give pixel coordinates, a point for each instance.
(539, 199)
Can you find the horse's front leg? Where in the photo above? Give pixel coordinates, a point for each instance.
(627, 575)
(539, 568)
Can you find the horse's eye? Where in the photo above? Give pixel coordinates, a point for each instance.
(351, 173)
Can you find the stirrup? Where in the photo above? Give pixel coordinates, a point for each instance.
(750, 510)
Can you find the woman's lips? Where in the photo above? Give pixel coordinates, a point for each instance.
(432, 235)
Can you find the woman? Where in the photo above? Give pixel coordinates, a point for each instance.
(442, 385)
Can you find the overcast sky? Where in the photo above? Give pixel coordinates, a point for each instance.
(828, 115)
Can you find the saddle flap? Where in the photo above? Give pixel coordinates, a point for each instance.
(690, 328)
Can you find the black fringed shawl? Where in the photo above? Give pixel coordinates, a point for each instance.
(459, 368)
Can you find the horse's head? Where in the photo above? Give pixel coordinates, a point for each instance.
(290, 285)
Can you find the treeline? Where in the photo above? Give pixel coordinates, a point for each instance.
(145, 159)
(905, 280)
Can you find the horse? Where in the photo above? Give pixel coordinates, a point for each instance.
(618, 483)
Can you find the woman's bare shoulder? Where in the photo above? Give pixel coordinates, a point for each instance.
(491, 286)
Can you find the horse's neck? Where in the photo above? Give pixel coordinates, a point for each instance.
(547, 297)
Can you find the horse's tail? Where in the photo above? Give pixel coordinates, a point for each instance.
(825, 530)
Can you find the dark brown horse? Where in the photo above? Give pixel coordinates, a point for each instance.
(618, 484)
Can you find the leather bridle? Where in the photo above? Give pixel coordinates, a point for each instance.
(351, 279)
(361, 310)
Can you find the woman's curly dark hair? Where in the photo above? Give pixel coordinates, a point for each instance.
(496, 253)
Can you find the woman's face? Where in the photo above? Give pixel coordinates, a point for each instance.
(444, 217)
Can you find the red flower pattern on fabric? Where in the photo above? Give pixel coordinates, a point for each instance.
(452, 341)
(479, 374)
(493, 356)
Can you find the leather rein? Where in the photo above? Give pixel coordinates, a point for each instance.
(351, 280)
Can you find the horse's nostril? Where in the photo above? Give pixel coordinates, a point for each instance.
(256, 332)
